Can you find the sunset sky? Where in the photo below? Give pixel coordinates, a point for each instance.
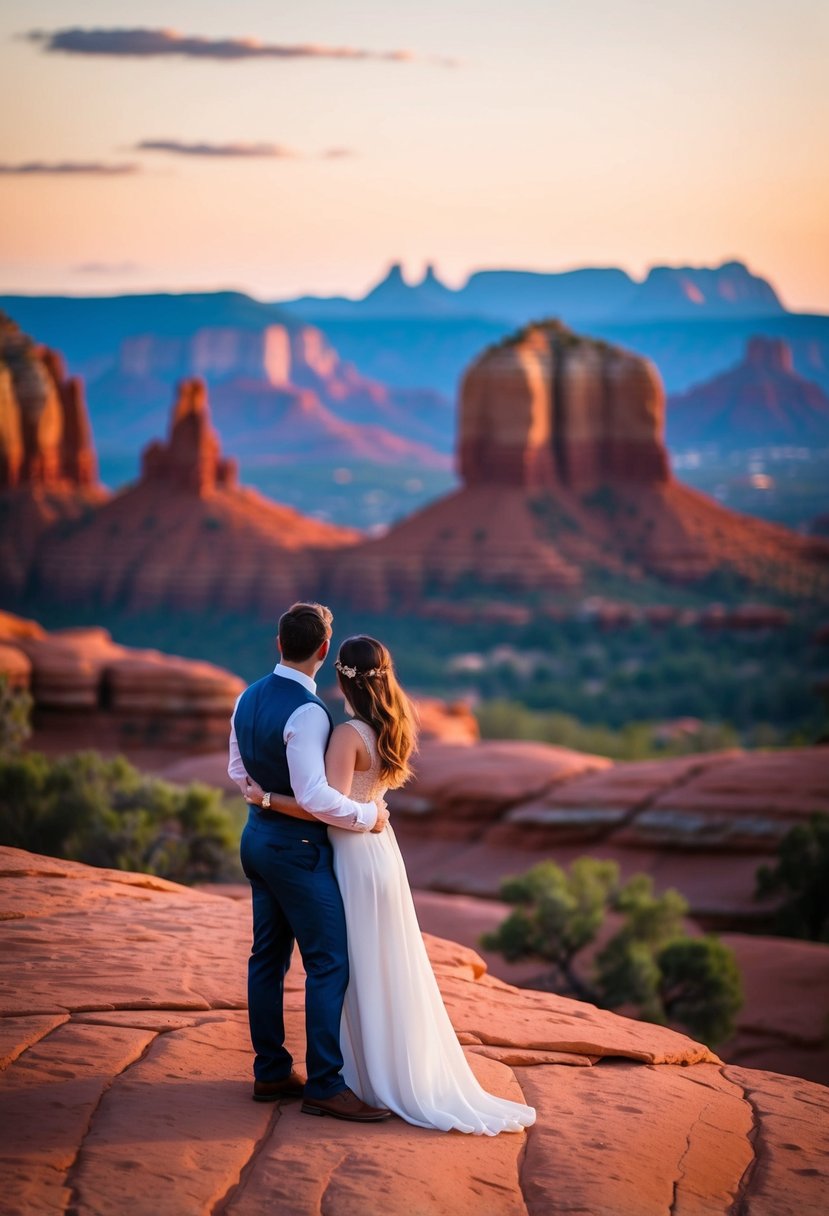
(245, 148)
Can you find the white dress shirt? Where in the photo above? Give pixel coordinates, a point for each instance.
(306, 738)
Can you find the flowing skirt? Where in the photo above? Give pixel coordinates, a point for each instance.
(399, 1046)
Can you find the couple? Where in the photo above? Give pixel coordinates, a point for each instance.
(378, 1036)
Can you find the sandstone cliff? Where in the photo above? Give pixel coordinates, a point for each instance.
(45, 438)
(48, 470)
(186, 535)
(284, 392)
(760, 403)
(565, 470)
(88, 691)
(128, 1072)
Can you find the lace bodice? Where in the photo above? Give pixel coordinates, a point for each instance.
(367, 786)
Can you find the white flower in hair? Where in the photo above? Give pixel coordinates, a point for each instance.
(351, 672)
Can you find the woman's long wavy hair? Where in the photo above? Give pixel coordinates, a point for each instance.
(379, 700)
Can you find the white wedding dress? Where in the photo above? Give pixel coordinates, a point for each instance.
(399, 1047)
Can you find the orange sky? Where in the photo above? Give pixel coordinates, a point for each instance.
(622, 132)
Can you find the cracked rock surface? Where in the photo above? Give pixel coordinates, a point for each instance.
(127, 1077)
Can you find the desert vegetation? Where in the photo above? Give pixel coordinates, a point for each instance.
(619, 945)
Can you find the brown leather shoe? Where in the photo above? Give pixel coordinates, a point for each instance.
(345, 1105)
(271, 1091)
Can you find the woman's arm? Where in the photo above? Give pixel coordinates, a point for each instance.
(341, 758)
(279, 802)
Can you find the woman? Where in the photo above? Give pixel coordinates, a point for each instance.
(399, 1047)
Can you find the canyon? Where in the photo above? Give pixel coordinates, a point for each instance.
(564, 467)
(564, 471)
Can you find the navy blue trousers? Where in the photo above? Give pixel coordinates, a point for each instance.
(289, 864)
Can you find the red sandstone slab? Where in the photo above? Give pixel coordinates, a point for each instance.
(605, 1134)
(173, 1134)
(499, 1015)
(593, 805)
(18, 1034)
(792, 1142)
(748, 803)
(50, 1095)
(628, 1141)
(114, 942)
(389, 1167)
(461, 783)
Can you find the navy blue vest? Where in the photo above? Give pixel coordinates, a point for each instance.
(261, 716)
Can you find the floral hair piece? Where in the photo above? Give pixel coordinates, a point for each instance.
(352, 672)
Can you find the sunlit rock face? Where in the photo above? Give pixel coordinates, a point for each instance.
(565, 474)
(548, 408)
(45, 437)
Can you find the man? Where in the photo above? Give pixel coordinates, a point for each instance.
(278, 736)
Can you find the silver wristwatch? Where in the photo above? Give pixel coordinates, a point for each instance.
(266, 802)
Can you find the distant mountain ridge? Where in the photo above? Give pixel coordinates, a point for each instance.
(587, 294)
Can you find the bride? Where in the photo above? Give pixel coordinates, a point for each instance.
(398, 1044)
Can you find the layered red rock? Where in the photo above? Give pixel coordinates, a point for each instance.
(90, 691)
(48, 469)
(762, 401)
(284, 394)
(562, 454)
(186, 535)
(45, 438)
(547, 408)
(703, 823)
(131, 1020)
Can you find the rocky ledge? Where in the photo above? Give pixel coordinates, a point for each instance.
(124, 1043)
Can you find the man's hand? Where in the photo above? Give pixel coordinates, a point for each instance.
(382, 815)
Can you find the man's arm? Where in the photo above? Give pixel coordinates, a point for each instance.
(306, 737)
(235, 767)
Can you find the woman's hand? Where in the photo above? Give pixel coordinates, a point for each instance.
(382, 815)
(253, 792)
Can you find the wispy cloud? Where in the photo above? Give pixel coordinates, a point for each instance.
(67, 168)
(236, 149)
(106, 268)
(181, 148)
(149, 43)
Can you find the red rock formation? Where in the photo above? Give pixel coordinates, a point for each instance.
(762, 401)
(48, 471)
(191, 459)
(90, 691)
(186, 535)
(548, 408)
(45, 438)
(564, 466)
(135, 992)
(286, 392)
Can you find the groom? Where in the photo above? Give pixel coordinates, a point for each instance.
(278, 736)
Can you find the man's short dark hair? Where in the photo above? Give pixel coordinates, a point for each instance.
(303, 629)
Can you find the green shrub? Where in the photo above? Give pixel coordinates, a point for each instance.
(649, 963)
(106, 813)
(801, 876)
(15, 715)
